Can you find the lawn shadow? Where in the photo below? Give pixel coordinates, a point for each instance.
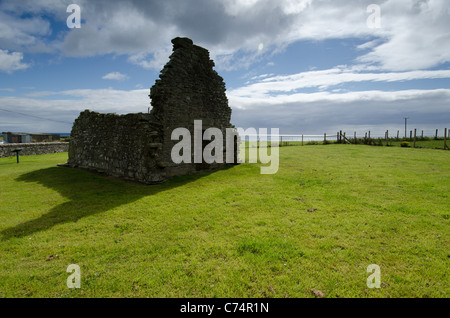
(88, 194)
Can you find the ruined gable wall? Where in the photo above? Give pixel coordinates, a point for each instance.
(189, 89)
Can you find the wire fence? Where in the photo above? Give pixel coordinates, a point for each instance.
(416, 139)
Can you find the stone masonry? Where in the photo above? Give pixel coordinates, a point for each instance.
(35, 148)
(138, 146)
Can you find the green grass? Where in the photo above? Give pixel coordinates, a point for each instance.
(426, 143)
(328, 213)
(431, 143)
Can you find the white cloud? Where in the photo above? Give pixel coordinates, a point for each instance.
(65, 106)
(412, 41)
(276, 86)
(294, 113)
(10, 62)
(155, 61)
(413, 34)
(350, 111)
(416, 35)
(117, 76)
(285, 101)
(258, 77)
(10, 90)
(24, 34)
(335, 98)
(101, 100)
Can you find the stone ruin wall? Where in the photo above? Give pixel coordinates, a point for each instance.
(125, 146)
(138, 146)
(189, 89)
(34, 148)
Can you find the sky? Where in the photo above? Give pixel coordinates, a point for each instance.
(302, 66)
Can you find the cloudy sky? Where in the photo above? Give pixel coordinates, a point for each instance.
(303, 66)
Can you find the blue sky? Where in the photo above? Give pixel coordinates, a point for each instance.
(303, 66)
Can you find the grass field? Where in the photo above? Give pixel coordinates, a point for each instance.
(328, 213)
(431, 143)
(427, 143)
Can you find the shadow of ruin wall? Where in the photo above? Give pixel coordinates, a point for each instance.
(138, 146)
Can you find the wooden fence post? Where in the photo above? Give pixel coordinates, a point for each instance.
(340, 136)
(398, 132)
(415, 131)
(436, 133)
(445, 139)
(410, 135)
(422, 133)
(302, 139)
(387, 137)
(369, 135)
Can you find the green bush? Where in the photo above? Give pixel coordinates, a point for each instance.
(404, 144)
(378, 142)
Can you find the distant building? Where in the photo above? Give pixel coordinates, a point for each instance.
(21, 138)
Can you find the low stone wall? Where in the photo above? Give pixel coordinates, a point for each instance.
(36, 148)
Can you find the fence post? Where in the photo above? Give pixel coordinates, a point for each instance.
(369, 135)
(422, 134)
(340, 136)
(410, 135)
(436, 133)
(398, 132)
(387, 137)
(414, 144)
(325, 138)
(302, 139)
(445, 139)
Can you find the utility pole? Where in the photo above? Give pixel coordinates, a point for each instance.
(406, 120)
